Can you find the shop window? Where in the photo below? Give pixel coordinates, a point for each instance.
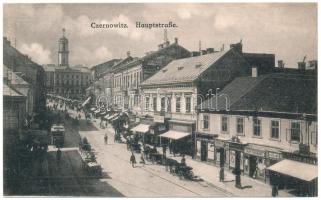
(188, 104)
(240, 126)
(257, 127)
(224, 124)
(295, 131)
(275, 129)
(205, 122)
(178, 104)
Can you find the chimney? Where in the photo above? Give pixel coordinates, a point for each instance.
(210, 50)
(195, 53)
(128, 54)
(313, 64)
(166, 43)
(254, 71)
(237, 46)
(176, 40)
(301, 65)
(203, 52)
(280, 64)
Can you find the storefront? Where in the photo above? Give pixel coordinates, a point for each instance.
(221, 152)
(257, 158)
(205, 147)
(254, 162)
(186, 144)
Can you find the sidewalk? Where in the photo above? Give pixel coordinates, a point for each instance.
(210, 174)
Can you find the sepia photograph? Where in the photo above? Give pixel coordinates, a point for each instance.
(150, 100)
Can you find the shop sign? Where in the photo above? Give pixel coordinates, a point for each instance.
(219, 143)
(275, 156)
(159, 118)
(236, 146)
(254, 152)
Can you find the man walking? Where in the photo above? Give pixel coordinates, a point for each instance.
(58, 156)
(133, 160)
(106, 138)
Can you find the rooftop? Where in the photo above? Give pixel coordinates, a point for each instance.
(279, 92)
(11, 92)
(185, 70)
(11, 76)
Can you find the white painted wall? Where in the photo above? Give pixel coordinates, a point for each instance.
(265, 139)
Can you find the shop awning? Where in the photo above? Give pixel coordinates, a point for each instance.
(87, 101)
(300, 170)
(175, 135)
(141, 128)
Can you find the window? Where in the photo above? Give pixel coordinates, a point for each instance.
(178, 104)
(240, 126)
(295, 131)
(169, 105)
(155, 103)
(224, 125)
(205, 122)
(188, 104)
(163, 103)
(256, 127)
(275, 129)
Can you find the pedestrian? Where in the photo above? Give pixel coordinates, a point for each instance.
(58, 156)
(221, 174)
(142, 160)
(133, 160)
(183, 160)
(275, 191)
(106, 138)
(164, 150)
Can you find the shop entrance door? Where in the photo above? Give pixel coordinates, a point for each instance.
(203, 151)
(252, 160)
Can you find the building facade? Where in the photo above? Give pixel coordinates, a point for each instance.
(266, 119)
(128, 77)
(29, 71)
(172, 94)
(64, 80)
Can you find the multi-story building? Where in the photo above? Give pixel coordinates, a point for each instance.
(15, 81)
(172, 94)
(128, 77)
(256, 122)
(98, 71)
(63, 80)
(102, 79)
(29, 71)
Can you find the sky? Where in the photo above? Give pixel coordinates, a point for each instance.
(288, 30)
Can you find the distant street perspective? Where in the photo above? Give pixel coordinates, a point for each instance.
(160, 100)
